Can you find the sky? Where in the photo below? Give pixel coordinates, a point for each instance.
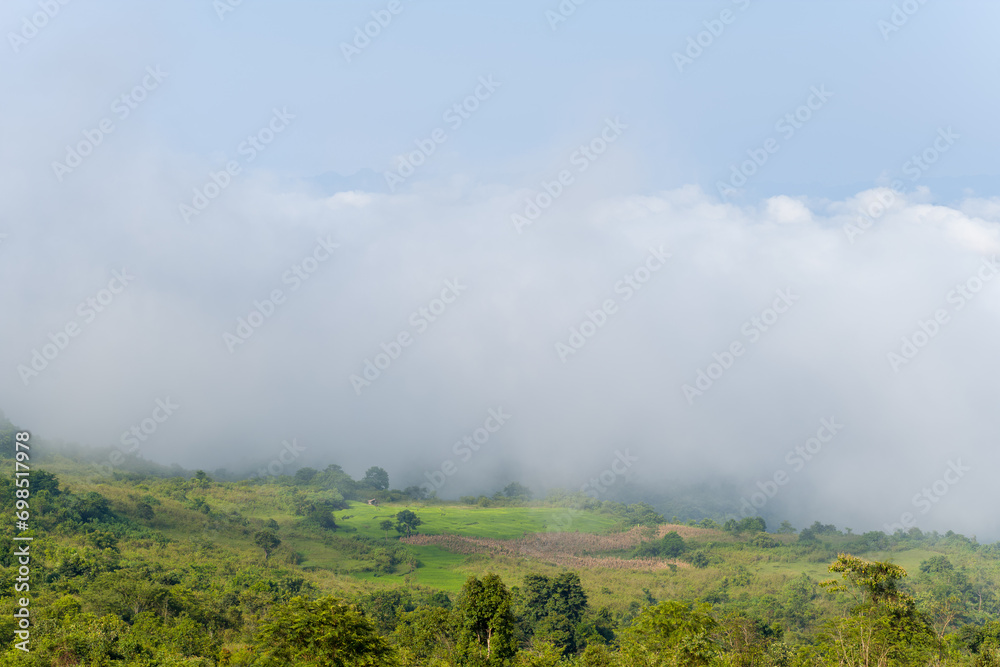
(598, 245)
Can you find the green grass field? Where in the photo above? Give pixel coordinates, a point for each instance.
(472, 521)
(438, 568)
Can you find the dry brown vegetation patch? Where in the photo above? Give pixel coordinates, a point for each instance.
(568, 549)
(687, 532)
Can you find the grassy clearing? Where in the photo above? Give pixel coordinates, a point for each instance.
(437, 568)
(503, 523)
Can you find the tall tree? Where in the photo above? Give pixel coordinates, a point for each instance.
(487, 622)
(948, 594)
(553, 608)
(869, 581)
(883, 626)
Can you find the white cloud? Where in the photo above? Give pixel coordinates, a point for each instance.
(787, 210)
(496, 344)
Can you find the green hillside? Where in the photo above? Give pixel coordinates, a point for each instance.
(159, 568)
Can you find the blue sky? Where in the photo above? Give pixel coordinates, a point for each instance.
(835, 209)
(607, 59)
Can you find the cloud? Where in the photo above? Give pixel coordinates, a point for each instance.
(495, 345)
(787, 210)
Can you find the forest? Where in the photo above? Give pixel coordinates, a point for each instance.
(150, 566)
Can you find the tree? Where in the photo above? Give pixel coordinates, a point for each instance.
(377, 478)
(323, 633)
(786, 528)
(747, 640)
(515, 490)
(764, 541)
(671, 633)
(875, 540)
(267, 541)
(553, 608)
(797, 600)
(596, 655)
(884, 626)
(642, 514)
(305, 475)
(982, 640)
(750, 524)
(144, 511)
(127, 594)
(416, 492)
(427, 636)
(869, 581)
(407, 522)
(86, 639)
(103, 540)
(386, 525)
(382, 608)
(541, 653)
(43, 480)
(672, 545)
(439, 599)
(334, 477)
(700, 560)
(948, 596)
(810, 534)
(487, 623)
(322, 518)
(92, 506)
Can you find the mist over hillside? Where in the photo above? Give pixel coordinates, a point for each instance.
(727, 279)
